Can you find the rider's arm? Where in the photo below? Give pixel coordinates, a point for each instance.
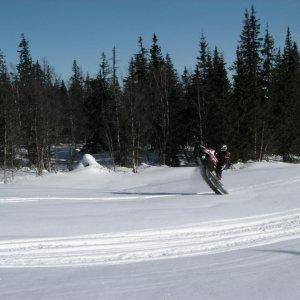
(227, 160)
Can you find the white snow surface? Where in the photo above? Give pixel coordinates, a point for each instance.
(159, 234)
(90, 161)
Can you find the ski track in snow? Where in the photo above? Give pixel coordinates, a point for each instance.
(145, 245)
(36, 199)
(96, 199)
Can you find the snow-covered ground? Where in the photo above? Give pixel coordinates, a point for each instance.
(159, 234)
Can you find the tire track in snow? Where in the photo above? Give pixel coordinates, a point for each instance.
(122, 197)
(136, 246)
(96, 199)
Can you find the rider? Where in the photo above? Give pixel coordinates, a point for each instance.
(223, 157)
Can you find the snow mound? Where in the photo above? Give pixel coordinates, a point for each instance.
(89, 161)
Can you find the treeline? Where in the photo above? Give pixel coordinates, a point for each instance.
(255, 109)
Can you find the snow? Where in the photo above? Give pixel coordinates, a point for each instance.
(158, 234)
(90, 162)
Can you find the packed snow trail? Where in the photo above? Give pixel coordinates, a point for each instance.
(167, 220)
(137, 246)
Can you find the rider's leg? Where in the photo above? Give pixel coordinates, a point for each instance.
(219, 172)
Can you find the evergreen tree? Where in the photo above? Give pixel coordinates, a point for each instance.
(186, 80)
(75, 110)
(25, 99)
(267, 81)
(140, 104)
(132, 114)
(25, 62)
(6, 117)
(174, 109)
(188, 113)
(158, 102)
(94, 110)
(100, 111)
(116, 92)
(218, 108)
(154, 108)
(268, 63)
(104, 71)
(286, 102)
(247, 88)
(200, 91)
(295, 147)
(64, 104)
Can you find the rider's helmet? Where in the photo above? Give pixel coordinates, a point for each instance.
(224, 148)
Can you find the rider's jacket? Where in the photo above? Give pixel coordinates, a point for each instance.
(223, 158)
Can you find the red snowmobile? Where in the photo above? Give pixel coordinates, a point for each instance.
(207, 162)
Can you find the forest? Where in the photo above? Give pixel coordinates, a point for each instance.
(253, 106)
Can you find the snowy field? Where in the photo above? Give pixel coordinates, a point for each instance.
(158, 234)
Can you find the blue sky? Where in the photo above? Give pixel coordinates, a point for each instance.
(61, 31)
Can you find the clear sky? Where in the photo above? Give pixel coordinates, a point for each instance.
(61, 31)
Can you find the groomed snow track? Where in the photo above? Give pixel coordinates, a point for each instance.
(136, 246)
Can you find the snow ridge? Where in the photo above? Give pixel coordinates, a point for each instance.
(144, 245)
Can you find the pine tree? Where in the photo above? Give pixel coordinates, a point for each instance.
(174, 109)
(200, 91)
(267, 81)
(75, 111)
(64, 103)
(105, 70)
(186, 80)
(132, 114)
(25, 62)
(218, 108)
(154, 108)
(295, 147)
(156, 58)
(247, 88)
(100, 113)
(287, 98)
(188, 115)
(140, 104)
(268, 63)
(93, 110)
(25, 99)
(158, 102)
(6, 118)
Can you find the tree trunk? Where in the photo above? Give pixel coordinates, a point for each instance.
(261, 153)
(5, 154)
(116, 100)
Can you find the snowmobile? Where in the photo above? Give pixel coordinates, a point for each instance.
(207, 161)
